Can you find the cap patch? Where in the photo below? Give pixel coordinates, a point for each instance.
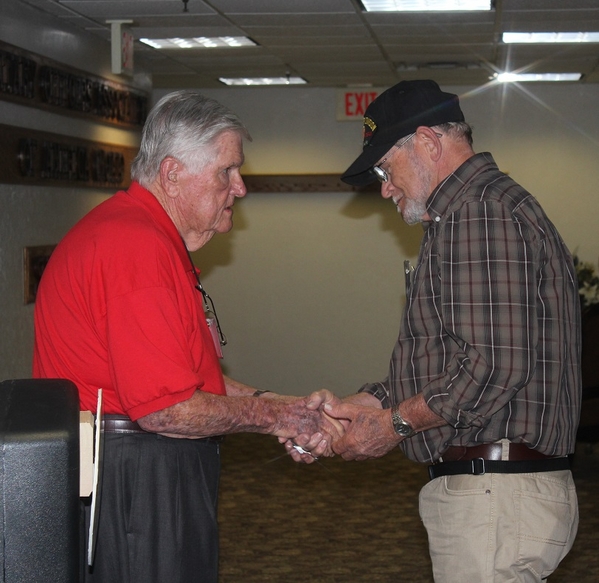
(368, 131)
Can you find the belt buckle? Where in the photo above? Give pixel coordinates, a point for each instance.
(478, 466)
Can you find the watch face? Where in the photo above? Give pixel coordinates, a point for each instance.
(401, 427)
(404, 429)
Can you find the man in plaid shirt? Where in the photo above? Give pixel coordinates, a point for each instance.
(484, 381)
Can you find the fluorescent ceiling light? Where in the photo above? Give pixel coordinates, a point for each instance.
(550, 37)
(288, 80)
(527, 77)
(424, 5)
(199, 42)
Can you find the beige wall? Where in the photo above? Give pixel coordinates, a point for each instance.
(546, 136)
(309, 287)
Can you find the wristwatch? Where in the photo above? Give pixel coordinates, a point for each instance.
(401, 426)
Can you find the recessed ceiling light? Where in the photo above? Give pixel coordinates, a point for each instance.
(550, 37)
(528, 77)
(200, 42)
(287, 80)
(424, 5)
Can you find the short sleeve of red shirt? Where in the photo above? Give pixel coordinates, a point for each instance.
(160, 349)
(117, 309)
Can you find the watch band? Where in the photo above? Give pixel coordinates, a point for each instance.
(400, 425)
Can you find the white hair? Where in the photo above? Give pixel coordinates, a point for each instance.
(183, 125)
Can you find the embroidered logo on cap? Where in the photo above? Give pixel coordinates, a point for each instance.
(368, 131)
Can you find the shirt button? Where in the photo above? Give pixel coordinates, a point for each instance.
(437, 219)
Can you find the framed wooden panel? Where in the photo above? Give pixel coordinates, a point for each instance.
(41, 158)
(35, 260)
(35, 81)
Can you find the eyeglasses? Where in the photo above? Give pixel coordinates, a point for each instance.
(381, 174)
(210, 311)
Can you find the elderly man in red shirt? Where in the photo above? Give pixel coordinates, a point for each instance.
(121, 308)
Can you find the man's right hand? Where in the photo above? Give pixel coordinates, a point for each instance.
(370, 433)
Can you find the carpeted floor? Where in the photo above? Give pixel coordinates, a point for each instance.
(350, 522)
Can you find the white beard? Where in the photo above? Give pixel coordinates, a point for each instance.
(415, 207)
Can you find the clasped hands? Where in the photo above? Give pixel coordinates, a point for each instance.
(356, 428)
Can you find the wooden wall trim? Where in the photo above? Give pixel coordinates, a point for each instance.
(278, 183)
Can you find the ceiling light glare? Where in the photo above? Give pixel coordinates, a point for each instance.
(206, 42)
(251, 81)
(182, 43)
(425, 5)
(154, 43)
(550, 37)
(532, 77)
(200, 42)
(238, 41)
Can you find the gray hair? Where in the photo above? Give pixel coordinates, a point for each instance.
(457, 130)
(182, 124)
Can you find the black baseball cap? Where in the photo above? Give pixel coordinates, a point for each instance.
(395, 113)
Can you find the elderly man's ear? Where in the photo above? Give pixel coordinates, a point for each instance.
(169, 175)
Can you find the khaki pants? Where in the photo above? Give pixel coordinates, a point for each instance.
(499, 527)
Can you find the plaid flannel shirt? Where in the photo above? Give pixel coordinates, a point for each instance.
(491, 330)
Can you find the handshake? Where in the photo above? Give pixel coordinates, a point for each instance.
(322, 424)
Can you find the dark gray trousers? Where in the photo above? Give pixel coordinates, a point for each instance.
(158, 511)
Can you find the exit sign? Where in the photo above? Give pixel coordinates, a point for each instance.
(352, 103)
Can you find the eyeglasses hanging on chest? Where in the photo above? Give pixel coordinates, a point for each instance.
(210, 312)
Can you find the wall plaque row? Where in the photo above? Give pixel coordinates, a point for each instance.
(40, 158)
(35, 81)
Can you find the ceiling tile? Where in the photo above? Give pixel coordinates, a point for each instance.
(335, 43)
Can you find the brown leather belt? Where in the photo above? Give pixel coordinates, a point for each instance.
(518, 452)
(122, 424)
(487, 458)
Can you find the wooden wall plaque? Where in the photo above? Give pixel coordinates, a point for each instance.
(41, 158)
(35, 81)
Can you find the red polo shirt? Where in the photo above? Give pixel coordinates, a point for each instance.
(117, 309)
